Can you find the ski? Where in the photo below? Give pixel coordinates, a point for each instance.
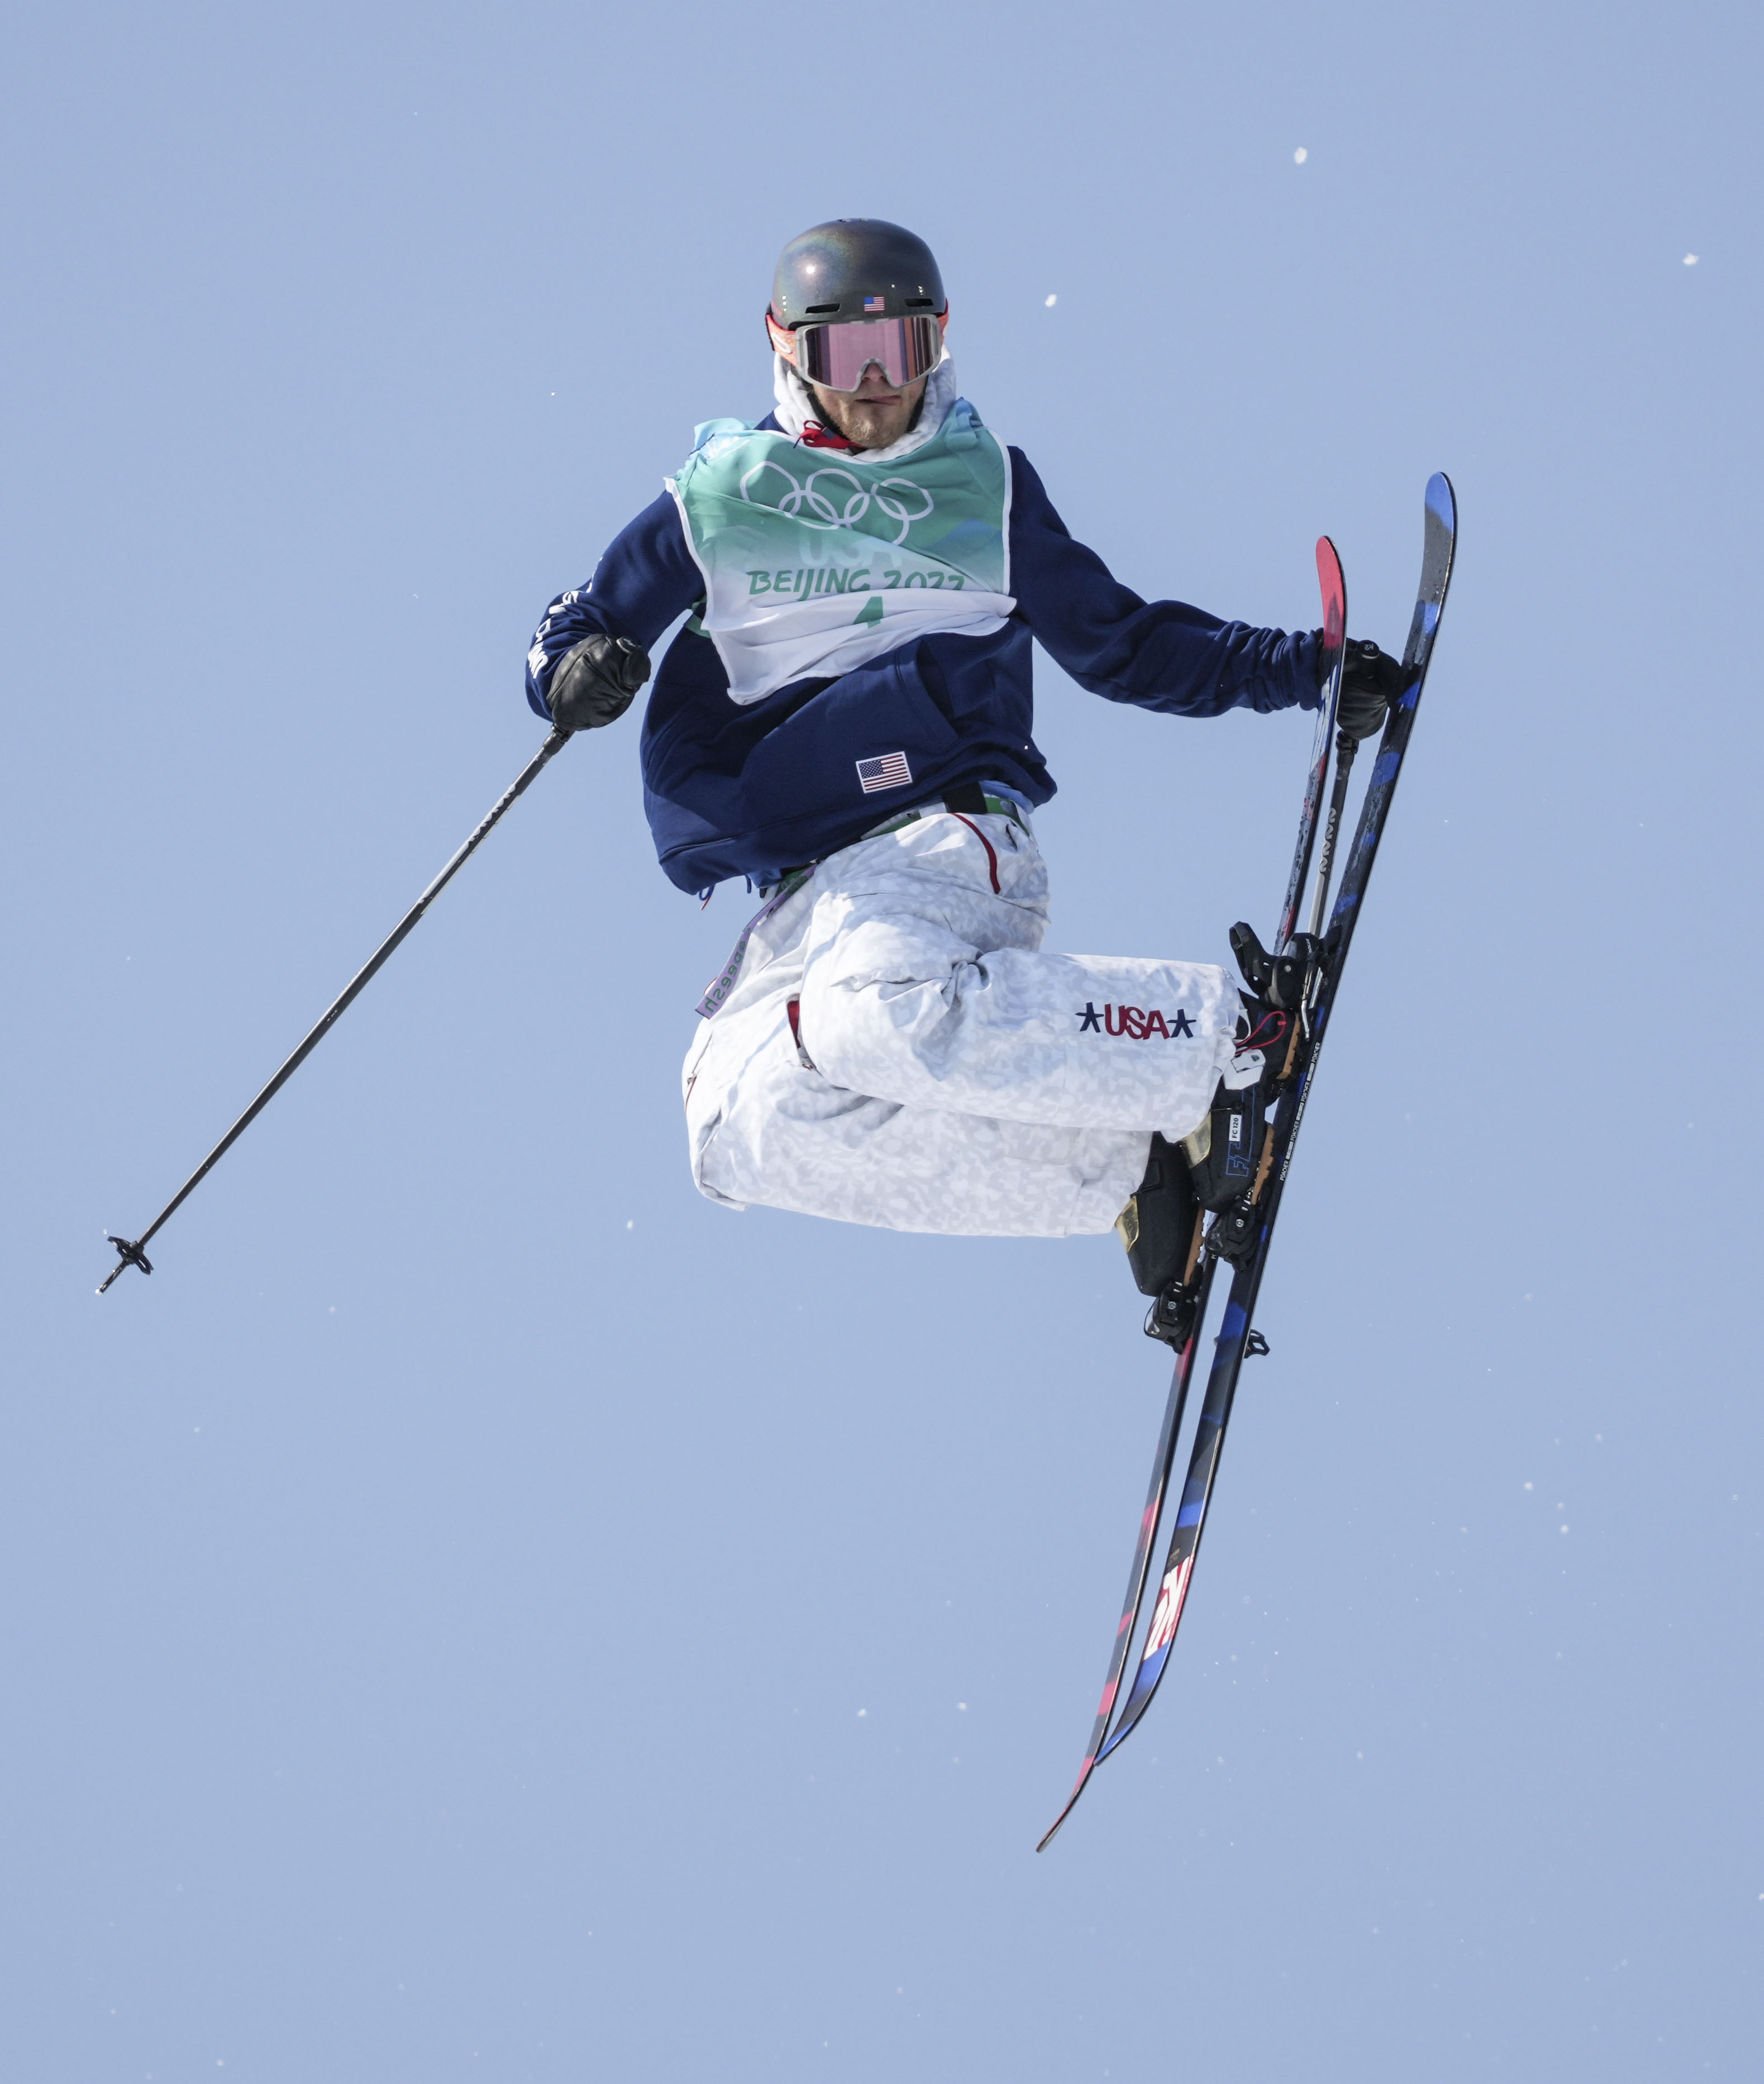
(1334, 589)
(1162, 1461)
(1237, 1339)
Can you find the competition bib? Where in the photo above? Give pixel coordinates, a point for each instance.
(814, 560)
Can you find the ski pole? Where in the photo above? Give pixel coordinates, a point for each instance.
(133, 1250)
(1345, 749)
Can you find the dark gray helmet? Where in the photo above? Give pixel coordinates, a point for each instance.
(836, 272)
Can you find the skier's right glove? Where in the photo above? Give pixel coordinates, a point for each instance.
(594, 681)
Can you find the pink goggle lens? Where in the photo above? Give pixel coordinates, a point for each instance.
(836, 356)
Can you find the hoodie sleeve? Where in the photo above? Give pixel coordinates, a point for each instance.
(646, 578)
(1160, 655)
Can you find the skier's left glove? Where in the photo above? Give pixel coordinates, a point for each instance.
(594, 682)
(1371, 681)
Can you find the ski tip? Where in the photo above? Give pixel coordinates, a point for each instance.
(1442, 502)
(1332, 583)
(1084, 1773)
(1052, 1829)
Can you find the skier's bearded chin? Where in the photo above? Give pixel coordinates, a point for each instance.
(874, 415)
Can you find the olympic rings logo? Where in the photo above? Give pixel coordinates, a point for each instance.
(816, 510)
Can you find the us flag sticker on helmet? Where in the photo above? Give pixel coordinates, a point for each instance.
(875, 303)
(889, 771)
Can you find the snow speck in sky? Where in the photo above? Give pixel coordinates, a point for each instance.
(1691, 260)
(1300, 156)
(1052, 301)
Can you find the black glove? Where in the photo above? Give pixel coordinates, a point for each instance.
(1371, 681)
(594, 681)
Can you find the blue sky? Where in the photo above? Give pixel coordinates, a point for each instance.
(481, 1612)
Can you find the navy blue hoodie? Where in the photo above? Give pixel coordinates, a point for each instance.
(747, 791)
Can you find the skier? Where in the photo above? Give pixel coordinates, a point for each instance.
(846, 720)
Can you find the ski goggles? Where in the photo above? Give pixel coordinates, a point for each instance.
(835, 356)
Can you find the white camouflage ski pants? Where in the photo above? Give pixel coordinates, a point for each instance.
(892, 1047)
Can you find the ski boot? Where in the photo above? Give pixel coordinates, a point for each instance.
(1281, 982)
(1220, 1166)
(1226, 1165)
(1161, 1228)
(1227, 1153)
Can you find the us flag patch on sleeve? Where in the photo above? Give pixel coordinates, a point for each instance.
(888, 770)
